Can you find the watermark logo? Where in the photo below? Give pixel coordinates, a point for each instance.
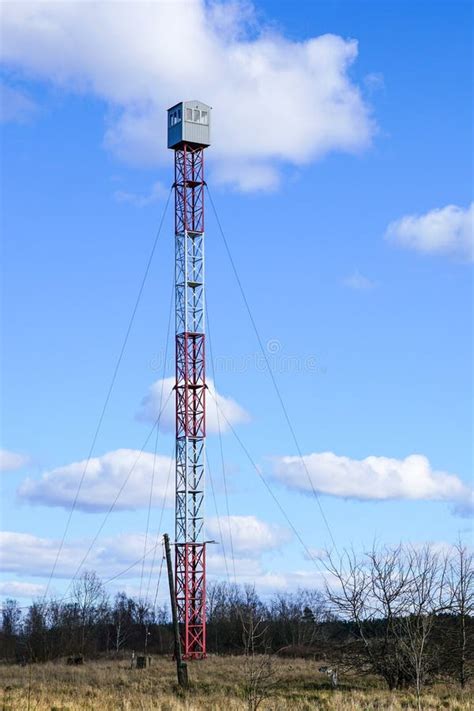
(273, 346)
(273, 357)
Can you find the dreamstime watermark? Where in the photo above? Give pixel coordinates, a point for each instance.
(274, 358)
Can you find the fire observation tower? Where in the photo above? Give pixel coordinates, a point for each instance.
(188, 136)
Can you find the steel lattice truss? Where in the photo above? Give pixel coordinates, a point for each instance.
(190, 388)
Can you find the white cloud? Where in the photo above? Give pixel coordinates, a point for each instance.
(220, 409)
(16, 588)
(374, 81)
(103, 479)
(268, 579)
(306, 579)
(15, 105)
(373, 478)
(250, 535)
(11, 461)
(447, 230)
(275, 100)
(358, 281)
(156, 193)
(246, 568)
(465, 507)
(444, 549)
(27, 555)
(314, 553)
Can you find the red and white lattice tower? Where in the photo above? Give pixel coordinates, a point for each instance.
(188, 136)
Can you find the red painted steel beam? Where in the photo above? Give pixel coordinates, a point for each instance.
(190, 393)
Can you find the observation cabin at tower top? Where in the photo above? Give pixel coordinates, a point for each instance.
(189, 122)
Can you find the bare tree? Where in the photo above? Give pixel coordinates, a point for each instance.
(224, 605)
(422, 601)
(389, 583)
(460, 587)
(144, 616)
(35, 631)
(392, 595)
(297, 617)
(90, 600)
(258, 667)
(402, 613)
(11, 626)
(122, 617)
(350, 595)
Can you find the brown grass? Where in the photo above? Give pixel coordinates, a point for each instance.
(217, 684)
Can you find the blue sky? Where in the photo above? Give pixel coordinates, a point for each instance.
(368, 327)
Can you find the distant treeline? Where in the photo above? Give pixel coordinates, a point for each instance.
(405, 614)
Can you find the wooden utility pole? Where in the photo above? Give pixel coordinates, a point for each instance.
(181, 667)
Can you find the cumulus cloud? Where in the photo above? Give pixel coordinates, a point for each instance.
(28, 556)
(275, 100)
(372, 478)
(250, 535)
(104, 477)
(16, 588)
(266, 580)
(448, 230)
(11, 461)
(246, 568)
(304, 579)
(24, 554)
(220, 409)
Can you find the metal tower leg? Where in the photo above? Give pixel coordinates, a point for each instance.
(190, 388)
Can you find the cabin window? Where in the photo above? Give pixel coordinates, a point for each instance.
(197, 116)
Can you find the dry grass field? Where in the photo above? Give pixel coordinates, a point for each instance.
(218, 684)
